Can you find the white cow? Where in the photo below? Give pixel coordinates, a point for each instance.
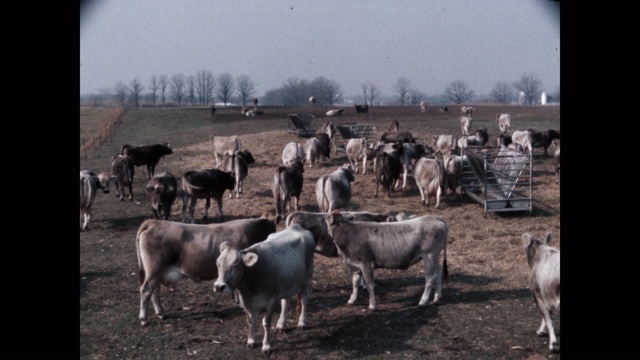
(266, 273)
(333, 191)
(431, 178)
(224, 145)
(465, 124)
(423, 106)
(356, 150)
(291, 151)
(335, 112)
(522, 141)
(504, 122)
(90, 182)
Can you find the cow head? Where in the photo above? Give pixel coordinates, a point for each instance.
(104, 181)
(165, 149)
(231, 266)
(347, 169)
(532, 245)
(246, 155)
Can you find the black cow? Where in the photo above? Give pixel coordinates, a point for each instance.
(395, 136)
(543, 139)
(389, 169)
(161, 193)
(362, 109)
(122, 172)
(204, 184)
(213, 109)
(146, 155)
(287, 184)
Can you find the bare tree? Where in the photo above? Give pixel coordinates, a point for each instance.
(246, 88)
(365, 89)
(164, 83)
(177, 88)
(154, 85)
(205, 83)
(502, 93)
(296, 92)
(402, 88)
(416, 96)
(225, 87)
(191, 89)
(135, 90)
(327, 91)
(121, 92)
(530, 85)
(458, 92)
(373, 93)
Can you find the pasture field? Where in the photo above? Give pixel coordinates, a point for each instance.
(486, 311)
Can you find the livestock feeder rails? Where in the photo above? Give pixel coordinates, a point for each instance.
(498, 178)
(344, 132)
(302, 124)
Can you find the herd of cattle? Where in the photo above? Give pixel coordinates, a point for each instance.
(262, 267)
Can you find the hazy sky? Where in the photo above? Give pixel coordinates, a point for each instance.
(431, 43)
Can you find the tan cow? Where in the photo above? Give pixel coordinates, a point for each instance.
(225, 145)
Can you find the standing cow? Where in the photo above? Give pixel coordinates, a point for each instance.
(431, 179)
(318, 147)
(465, 124)
(504, 122)
(292, 151)
(356, 150)
(544, 282)
(148, 155)
(161, 193)
(333, 191)
(122, 172)
(287, 184)
(238, 166)
(224, 145)
(204, 184)
(266, 273)
(169, 251)
(365, 246)
(90, 182)
(453, 171)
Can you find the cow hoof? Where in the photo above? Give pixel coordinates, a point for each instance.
(554, 347)
(266, 351)
(144, 322)
(541, 333)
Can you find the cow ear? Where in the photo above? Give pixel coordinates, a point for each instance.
(548, 238)
(250, 259)
(224, 246)
(526, 240)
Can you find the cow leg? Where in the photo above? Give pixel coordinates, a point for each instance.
(368, 278)
(355, 281)
(218, 200)
(207, 204)
(425, 199)
(252, 317)
(432, 279)
(282, 321)
(364, 165)
(404, 177)
(150, 290)
(266, 325)
(192, 210)
(87, 217)
(303, 299)
(546, 326)
(130, 191)
(438, 192)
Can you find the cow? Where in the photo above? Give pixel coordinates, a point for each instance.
(287, 184)
(335, 112)
(375, 149)
(318, 147)
(544, 282)
(90, 182)
(362, 109)
(365, 246)
(467, 110)
(238, 166)
(465, 124)
(312, 101)
(169, 251)
(423, 106)
(445, 145)
(146, 155)
(504, 140)
(356, 150)
(543, 139)
(254, 101)
(266, 273)
(410, 152)
(292, 151)
(521, 141)
(431, 179)
(444, 109)
(453, 171)
(394, 126)
(504, 122)
(122, 172)
(212, 109)
(556, 162)
(330, 129)
(394, 136)
(480, 138)
(224, 145)
(204, 184)
(333, 191)
(316, 223)
(388, 171)
(161, 192)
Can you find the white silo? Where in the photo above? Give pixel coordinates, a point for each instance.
(543, 98)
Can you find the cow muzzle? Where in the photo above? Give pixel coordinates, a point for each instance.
(220, 287)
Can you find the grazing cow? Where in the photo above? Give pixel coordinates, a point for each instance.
(122, 172)
(356, 150)
(423, 106)
(444, 144)
(266, 273)
(292, 151)
(394, 136)
(90, 182)
(287, 184)
(312, 101)
(431, 179)
(362, 109)
(333, 191)
(394, 126)
(444, 109)
(480, 138)
(467, 110)
(556, 161)
(169, 251)
(388, 173)
(410, 152)
(212, 109)
(204, 184)
(465, 124)
(522, 141)
(318, 147)
(544, 282)
(365, 246)
(224, 145)
(504, 122)
(146, 155)
(543, 139)
(317, 224)
(161, 193)
(453, 170)
(238, 166)
(335, 112)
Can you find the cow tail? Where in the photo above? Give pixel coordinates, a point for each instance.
(445, 271)
(277, 193)
(141, 272)
(324, 203)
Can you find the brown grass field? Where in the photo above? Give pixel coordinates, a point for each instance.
(487, 310)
